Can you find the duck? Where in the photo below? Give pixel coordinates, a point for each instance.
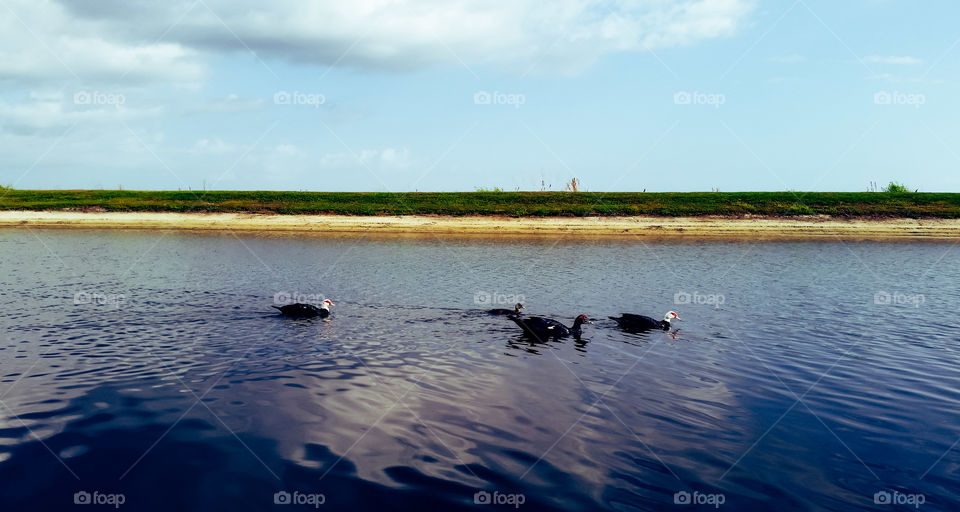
(502, 311)
(305, 310)
(633, 322)
(544, 328)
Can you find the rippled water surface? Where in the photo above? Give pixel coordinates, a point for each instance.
(803, 375)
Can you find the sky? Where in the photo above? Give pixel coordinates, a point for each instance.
(460, 95)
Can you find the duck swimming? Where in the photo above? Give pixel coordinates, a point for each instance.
(305, 310)
(501, 311)
(544, 328)
(631, 322)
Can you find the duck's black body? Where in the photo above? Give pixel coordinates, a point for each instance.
(544, 328)
(303, 311)
(501, 311)
(633, 322)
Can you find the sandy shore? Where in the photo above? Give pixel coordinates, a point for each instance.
(690, 227)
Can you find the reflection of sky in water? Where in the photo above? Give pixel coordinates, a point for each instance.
(410, 390)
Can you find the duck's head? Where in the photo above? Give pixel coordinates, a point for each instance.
(670, 316)
(582, 319)
(517, 307)
(326, 304)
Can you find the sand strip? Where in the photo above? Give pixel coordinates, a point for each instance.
(758, 227)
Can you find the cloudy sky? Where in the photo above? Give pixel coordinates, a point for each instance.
(662, 95)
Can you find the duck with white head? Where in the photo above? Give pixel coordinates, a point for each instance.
(299, 310)
(631, 322)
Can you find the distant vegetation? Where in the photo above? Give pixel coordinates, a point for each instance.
(893, 187)
(893, 203)
(896, 188)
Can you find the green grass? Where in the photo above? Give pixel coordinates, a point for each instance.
(842, 204)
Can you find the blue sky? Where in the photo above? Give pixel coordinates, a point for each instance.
(657, 95)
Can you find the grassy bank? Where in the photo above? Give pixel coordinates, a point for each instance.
(516, 204)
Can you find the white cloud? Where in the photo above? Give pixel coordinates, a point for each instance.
(899, 60)
(52, 112)
(397, 157)
(376, 159)
(42, 41)
(290, 150)
(215, 146)
(230, 104)
(559, 35)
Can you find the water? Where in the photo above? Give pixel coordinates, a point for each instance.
(785, 387)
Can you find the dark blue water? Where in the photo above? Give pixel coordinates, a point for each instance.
(147, 371)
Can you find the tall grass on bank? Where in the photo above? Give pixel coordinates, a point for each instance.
(517, 204)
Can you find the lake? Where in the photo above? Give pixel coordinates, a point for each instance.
(147, 371)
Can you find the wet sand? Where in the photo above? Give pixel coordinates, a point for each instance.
(689, 227)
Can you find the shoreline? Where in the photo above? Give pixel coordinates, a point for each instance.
(810, 227)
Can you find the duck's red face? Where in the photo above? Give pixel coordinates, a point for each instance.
(327, 302)
(584, 319)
